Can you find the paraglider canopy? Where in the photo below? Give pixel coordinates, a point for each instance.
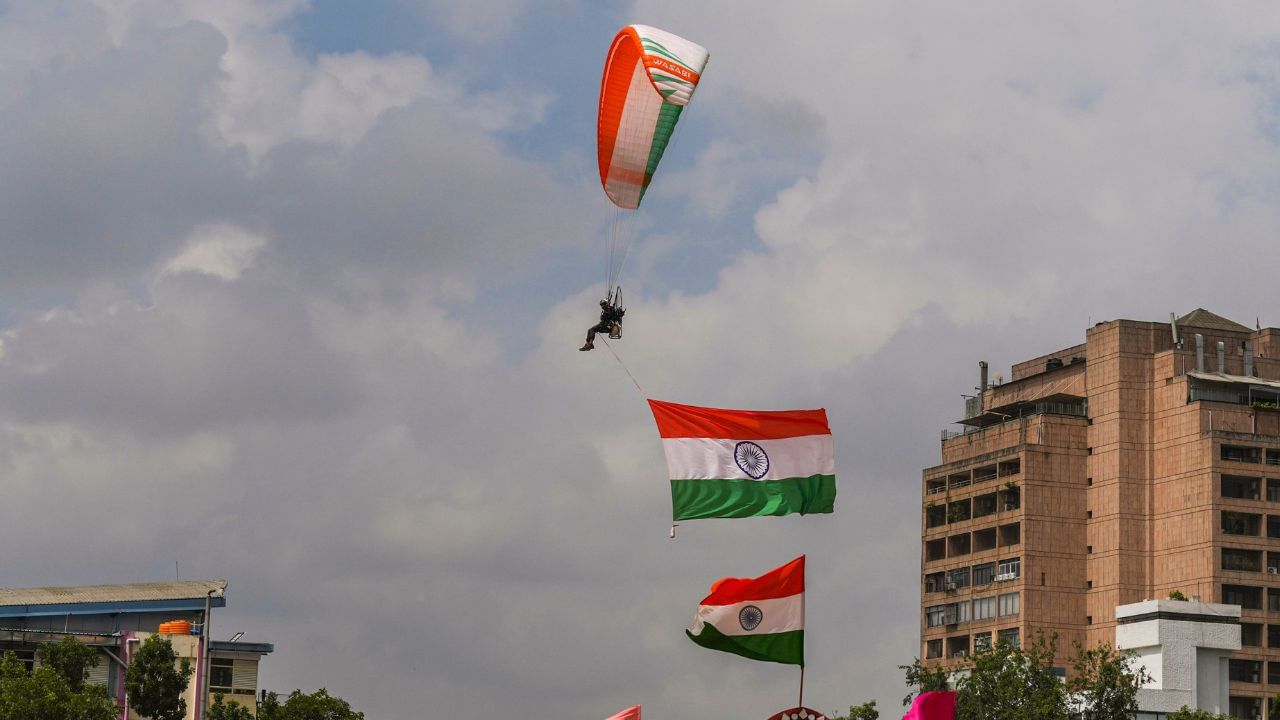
(649, 76)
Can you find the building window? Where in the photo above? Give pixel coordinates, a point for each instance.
(1009, 569)
(935, 515)
(1008, 636)
(1009, 604)
(959, 511)
(1241, 488)
(1273, 489)
(984, 574)
(958, 545)
(1273, 600)
(1246, 671)
(1273, 456)
(984, 505)
(1273, 636)
(1249, 598)
(981, 641)
(935, 582)
(1251, 634)
(958, 646)
(220, 673)
(984, 608)
(1273, 526)
(984, 539)
(958, 578)
(1245, 708)
(1240, 453)
(1010, 534)
(1237, 523)
(933, 649)
(935, 549)
(935, 616)
(1273, 673)
(1241, 560)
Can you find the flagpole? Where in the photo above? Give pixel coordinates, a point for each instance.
(801, 701)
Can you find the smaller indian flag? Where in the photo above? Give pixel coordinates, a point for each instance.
(631, 713)
(744, 463)
(760, 618)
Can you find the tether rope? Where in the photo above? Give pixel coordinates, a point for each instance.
(624, 369)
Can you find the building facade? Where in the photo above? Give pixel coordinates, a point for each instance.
(1144, 461)
(115, 619)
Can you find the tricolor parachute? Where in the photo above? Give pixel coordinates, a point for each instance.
(649, 77)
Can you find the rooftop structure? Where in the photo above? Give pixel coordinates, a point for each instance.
(114, 618)
(1141, 461)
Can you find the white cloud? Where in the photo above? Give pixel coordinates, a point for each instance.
(222, 251)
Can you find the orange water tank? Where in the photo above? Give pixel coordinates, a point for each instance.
(175, 627)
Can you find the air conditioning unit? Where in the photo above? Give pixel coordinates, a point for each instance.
(1010, 506)
(1006, 576)
(951, 586)
(1273, 570)
(960, 654)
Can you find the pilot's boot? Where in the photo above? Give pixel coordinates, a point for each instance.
(588, 346)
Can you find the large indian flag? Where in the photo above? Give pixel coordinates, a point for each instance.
(743, 463)
(760, 618)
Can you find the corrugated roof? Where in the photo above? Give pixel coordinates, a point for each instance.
(176, 590)
(1202, 318)
(1235, 379)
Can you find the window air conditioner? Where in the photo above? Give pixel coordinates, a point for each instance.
(1273, 570)
(1006, 576)
(951, 587)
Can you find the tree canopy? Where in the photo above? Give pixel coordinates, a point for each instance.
(319, 705)
(70, 658)
(44, 694)
(155, 681)
(1012, 682)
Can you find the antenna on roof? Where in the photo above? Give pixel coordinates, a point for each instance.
(1173, 324)
(176, 575)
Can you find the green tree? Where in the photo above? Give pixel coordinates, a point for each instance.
(1188, 714)
(1177, 595)
(865, 711)
(155, 681)
(70, 658)
(45, 695)
(319, 705)
(230, 710)
(1008, 682)
(921, 679)
(1104, 683)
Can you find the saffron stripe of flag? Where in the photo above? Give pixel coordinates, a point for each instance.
(631, 713)
(759, 618)
(746, 463)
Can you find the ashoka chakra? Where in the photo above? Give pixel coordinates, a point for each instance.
(749, 617)
(751, 459)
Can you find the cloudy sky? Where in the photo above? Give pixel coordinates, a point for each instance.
(291, 294)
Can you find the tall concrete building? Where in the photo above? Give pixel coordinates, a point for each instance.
(1143, 461)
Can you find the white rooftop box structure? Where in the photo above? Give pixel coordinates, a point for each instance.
(1184, 646)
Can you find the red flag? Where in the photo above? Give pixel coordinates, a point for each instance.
(631, 713)
(933, 705)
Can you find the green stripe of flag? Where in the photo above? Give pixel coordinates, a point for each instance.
(785, 647)
(739, 498)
